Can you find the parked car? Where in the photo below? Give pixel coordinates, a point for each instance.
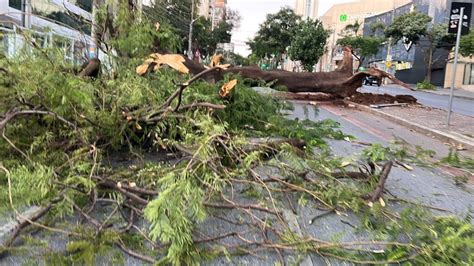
(371, 80)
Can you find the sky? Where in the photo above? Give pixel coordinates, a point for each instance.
(253, 13)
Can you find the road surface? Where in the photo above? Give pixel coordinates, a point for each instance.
(431, 186)
(460, 105)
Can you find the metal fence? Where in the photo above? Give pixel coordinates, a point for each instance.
(13, 42)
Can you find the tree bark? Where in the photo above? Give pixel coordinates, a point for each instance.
(340, 83)
(429, 66)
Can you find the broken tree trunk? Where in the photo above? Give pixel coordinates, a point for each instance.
(339, 83)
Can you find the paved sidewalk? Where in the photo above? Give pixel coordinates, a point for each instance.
(431, 121)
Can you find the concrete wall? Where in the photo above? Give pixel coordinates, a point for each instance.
(355, 11)
(458, 83)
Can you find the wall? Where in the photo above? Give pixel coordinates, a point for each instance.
(439, 11)
(355, 11)
(458, 83)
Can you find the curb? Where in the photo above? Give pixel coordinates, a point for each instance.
(454, 95)
(455, 138)
(436, 92)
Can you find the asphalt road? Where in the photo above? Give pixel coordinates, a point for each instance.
(460, 105)
(430, 186)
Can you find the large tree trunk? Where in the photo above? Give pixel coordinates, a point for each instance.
(341, 82)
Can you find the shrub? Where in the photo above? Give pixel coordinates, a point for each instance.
(425, 85)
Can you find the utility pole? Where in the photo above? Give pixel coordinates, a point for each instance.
(190, 37)
(456, 55)
(390, 40)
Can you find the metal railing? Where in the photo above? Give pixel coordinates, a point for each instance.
(13, 42)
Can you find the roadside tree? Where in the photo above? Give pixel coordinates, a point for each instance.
(412, 27)
(436, 37)
(466, 47)
(308, 43)
(275, 34)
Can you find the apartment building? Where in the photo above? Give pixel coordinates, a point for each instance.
(49, 24)
(213, 9)
(307, 8)
(341, 15)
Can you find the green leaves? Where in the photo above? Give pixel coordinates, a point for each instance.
(24, 180)
(173, 215)
(411, 25)
(307, 45)
(276, 33)
(363, 46)
(466, 46)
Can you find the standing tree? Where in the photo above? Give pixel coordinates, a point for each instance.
(466, 47)
(177, 14)
(436, 37)
(275, 34)
(308, 43)
(351, 29)
(411, 27)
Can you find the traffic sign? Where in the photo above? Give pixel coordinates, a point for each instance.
(459, 20)
(456, 13)
(343, 17)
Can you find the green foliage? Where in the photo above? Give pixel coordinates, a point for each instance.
(399, 150)
(377, 26)
(168, 39)
(411, 25)
(36, 178)
(440, 240)
(362, 46)
(425, 85)
(351, 29)
(176, 15)
(237, 60)
(466, 45)
(307, 45)
(121, 114)
(173, 218)
(276, 33)
(139, 39)
(456, 160)
(375, 153)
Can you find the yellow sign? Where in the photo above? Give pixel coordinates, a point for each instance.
(388, 64)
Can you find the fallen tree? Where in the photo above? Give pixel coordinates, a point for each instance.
(150, 165)
(341, 82)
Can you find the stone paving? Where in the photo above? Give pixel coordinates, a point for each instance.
(434, 118)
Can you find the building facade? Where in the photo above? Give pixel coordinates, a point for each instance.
(341, 15)
(307, 8)
(214, 10)
(408, 62)
(44, 20)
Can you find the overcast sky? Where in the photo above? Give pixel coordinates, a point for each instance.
(253, 13)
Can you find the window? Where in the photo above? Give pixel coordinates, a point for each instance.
(468, 74)
(15, 4)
